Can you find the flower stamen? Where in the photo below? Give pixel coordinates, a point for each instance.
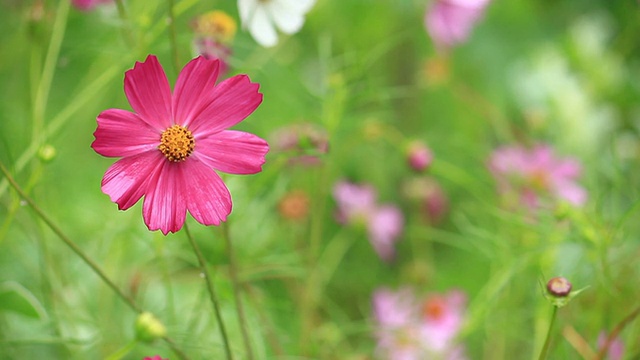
(176, 143)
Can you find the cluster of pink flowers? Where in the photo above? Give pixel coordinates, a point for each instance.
(384, 223)
(450, 22)
(531, 176)
(409, 327)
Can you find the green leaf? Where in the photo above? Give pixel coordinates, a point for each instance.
(16, 298)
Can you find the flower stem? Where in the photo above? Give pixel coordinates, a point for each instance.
(173, 37)
(68, 241)
(126, 28)
(212, 293)
(120, 353)
(233, 272)
(547, 341)
(76, 249)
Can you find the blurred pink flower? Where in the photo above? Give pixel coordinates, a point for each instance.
(449, 22)
(213, 50)
(616, 347)
(537, 173)
(410, 328)
(419, 156)
(155, 357)
(172, 143)
(88, 5)
(384, 223)
(306, 142)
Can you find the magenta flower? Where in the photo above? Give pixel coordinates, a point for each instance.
(155, 357)
(449, 22)
(408, 327)
(171, 143)
(535, 174)
(88, 5)
(384, 223)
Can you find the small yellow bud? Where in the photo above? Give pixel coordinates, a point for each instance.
(149, 328)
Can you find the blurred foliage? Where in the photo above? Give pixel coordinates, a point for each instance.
(561, 72)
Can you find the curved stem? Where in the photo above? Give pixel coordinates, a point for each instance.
(212, 293)
(547, 341)
(614, 334)
(120, 353)
(233, 272)
(76, 249)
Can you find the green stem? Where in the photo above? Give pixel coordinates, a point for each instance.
(212, 293)
(42, 94)
(96, 269)
(68, 241)
(120, 353)
(233, 272)
(173, 37)
(126, 28)
(547, 341)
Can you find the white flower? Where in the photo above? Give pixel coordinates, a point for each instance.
(259, 17)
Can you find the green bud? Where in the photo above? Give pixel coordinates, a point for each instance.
(149, 328)
(46, 153)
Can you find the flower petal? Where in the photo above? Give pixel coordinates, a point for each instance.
(385, 226)
(126, 180)
(122, 133)
(233, 100)
(233, 152)
(164, 205)
(193, 89)
(207, 197)
(260, 24)
(287, 18)
(148, 92)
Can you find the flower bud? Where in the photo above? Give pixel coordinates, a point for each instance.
(149, 328)
(559, 287)
(46, 153)
(419, 156)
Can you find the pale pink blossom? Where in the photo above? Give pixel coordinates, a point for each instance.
(213, 50)
(536, 174)
(88, 5)
(173, 143)
(616, 347)
(384, 223)
(450, 22)
(409, 327)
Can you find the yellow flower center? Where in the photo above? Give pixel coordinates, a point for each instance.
(216, 24)
(177, 143)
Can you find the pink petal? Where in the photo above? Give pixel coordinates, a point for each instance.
(233, 100)
(149, 94)
(164, 205)
(233, 152)
(194, 89)
(207, 197)
(385, 226)
(122, 133)
(126, 181)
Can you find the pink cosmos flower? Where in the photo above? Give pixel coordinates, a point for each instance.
(411, 328)
(533, 174)
(449, 22)
(88, 5)
(384, 223)
(171, 143)
(156, 357)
